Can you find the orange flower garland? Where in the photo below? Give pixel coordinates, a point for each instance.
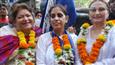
(57, 47)
(67, 45)
(88, 58)
(59, 50)
(29, 63)
(23, 43)
(93, 55)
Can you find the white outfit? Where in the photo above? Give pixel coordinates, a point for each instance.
(45, 52)
(106, 52)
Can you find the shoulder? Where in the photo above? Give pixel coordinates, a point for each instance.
(6, 30)
(44, 40)
(112, 30)
(45, 35)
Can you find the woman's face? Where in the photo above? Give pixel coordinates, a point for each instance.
(58, 18)
(98, 12)
(24, 20)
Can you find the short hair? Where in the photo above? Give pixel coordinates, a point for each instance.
(4, 5)
(15, 9)
(37, 13)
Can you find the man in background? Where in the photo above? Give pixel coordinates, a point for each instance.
(3, 14)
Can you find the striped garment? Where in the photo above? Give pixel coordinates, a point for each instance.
(7, 45)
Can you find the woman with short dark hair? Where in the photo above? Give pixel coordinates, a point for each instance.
(18, 39)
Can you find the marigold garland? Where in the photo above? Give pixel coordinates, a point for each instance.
(23, 43)
(29, 63)
(57, 47)
(88, 58)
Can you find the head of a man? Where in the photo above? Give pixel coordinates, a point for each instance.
(3, 10)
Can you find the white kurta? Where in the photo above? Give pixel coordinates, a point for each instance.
(45, 52)
(106, 52)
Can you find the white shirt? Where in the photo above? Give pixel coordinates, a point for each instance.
(44, 51)
(106, 52)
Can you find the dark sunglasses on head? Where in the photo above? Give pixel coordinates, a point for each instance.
(58, 15)
(100, 9)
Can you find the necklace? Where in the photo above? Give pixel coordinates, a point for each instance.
(62, 52)
(88, 58)
(23, 42)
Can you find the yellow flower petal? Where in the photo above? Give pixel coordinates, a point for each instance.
(102, 37)
(67, 46)
(80, 40)
(58, 51)
(85, 25)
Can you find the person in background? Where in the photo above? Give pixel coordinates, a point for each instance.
(38, 16)
(3, 15)
(72, 31)
(57, 46)
(112, 9)
(18, 39)
(93, 47)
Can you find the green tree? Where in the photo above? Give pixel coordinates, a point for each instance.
(82, 3)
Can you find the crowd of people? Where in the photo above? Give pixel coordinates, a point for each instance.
(22, 41)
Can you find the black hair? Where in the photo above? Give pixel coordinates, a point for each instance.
(4, 5)
(38, 12)
(60, 6)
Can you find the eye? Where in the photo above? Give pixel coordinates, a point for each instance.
(28, 15)
(52, 15)
(60, 15)
(102, 9)
(92, 9)
(19, 17)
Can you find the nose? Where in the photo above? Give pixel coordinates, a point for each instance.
(56, 17)
(97, 12)
(25, 18)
